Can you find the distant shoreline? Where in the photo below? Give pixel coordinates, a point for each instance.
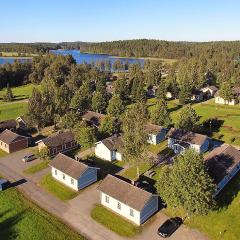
(15, 57)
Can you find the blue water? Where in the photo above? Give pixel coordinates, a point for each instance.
(89, 57)
(81, 57)
(11, 60)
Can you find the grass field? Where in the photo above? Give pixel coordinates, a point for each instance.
(12, 110)
(230, 115)
(56, 188)
(22, 220)
(22, 92)
(2, 153)
(114, 222)
(36, 168)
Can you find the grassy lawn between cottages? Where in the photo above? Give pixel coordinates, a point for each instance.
(3, 153)
(57, 189)
(12, 110)
(114, 222)
(224, 220)
(21, 219)
(36, 168)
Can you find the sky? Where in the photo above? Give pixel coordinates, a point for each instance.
(108, 20)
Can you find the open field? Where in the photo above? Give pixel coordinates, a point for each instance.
(56, 188)
(12, 110)
(21, 92)
(229, 131)
(15, 54)
(21, 219)
(114, 222)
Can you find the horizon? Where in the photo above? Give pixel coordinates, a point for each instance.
(60, 21)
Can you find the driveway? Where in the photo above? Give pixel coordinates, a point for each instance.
(76, 212)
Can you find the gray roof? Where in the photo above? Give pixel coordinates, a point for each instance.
(68, 166)
(58, 139)
(8, 136)
(152, 128)
(221, 160)
(125, 192)
(11, 123)
(189, 137)
(113, 143)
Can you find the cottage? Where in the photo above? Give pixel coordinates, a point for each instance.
(60, 142)
(10, 124)
(93, 118)
(233, 101)
(179, 141)
(22, 123)
(209, 91)
(127, 200)
(152, 91)
(156, 134)
(197, 95)
(12, 142)
(109, 148)
(72, 173)
(223, 163)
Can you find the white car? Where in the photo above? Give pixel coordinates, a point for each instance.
(29, 158)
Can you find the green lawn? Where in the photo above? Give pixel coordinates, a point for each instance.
(12, 110)
(56, 188)
(22, 220)
(21, 92)
(131, 172)
(114, 222)
(2, 153)
(36, 168)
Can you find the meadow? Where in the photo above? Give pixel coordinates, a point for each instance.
(21, 219)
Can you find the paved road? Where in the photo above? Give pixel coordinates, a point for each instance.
(76, 212)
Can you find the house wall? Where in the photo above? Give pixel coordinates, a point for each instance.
(124, 211)
(220, 100)
(87, 178)
(18, 145)
(66, 181)
(4, 146)
(103, 152)
(118, 156)
(227, 179)
(150, 208)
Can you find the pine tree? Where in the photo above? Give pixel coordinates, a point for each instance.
(226, 91)
(99, 102)
(8, 97)
(160, 115)
(115, 107)
(187, 118)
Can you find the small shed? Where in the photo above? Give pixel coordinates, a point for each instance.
(3, 184)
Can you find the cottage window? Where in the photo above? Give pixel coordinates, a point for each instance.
(63, 176)
(55, 171)
(131, 212)
(119, 205)
(72, 181)
(107, 199)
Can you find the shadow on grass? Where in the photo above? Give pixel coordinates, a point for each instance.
(7, 226)
(17, 183)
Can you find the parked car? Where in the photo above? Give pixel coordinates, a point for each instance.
(4, 184)
(29, 158)
(169, 227)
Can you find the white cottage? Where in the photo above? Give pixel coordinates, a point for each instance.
(156, 134)
(223, 163)
(233, 101)
(109, 149)
(179, 141)
(72, 173)
(127, 200)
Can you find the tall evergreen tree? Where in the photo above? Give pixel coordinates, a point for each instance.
(115, 107)
(8, 97)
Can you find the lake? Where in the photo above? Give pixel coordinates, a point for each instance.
(81, 57)
(91, 57)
